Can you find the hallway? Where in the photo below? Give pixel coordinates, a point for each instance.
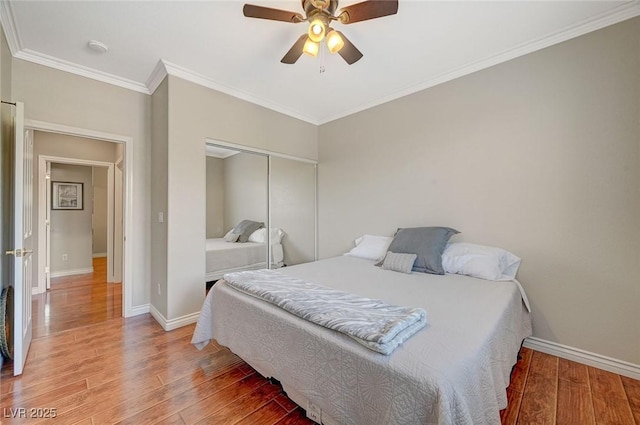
(76, 301)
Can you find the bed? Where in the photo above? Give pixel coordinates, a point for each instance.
(452, 372)
(225, 257)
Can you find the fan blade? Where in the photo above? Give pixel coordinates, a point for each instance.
(252, 11)
(370, 9)
(295, 51)
(349, 52)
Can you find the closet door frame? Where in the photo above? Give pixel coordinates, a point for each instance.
(269, 154)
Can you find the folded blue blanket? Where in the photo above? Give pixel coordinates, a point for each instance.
(376, 325)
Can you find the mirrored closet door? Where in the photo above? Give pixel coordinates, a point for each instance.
(293, 207)
(237, 201)
(249, 192)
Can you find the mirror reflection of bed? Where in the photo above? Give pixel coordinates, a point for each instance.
(271, 192)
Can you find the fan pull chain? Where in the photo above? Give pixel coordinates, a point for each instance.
(322, 57)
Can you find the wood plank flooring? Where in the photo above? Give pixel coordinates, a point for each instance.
(131, 371)
(108, 370)
(546, 389)
(75, 301)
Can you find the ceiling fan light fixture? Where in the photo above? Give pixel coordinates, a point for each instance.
(334, 41)
(319, 14)
(316, 30)
(311, 48)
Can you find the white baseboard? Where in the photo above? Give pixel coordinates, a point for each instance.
(99, 255)
(584, 357)
(169, 325)
(139, 309)
(35, 290)
(71, 272)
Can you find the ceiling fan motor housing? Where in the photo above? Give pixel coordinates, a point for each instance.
(311, 7)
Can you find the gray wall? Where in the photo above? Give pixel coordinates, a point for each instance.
(59, 97)
(245, 189)
(159, 195)
(539, 155)
(215, 197)
(194, 114)
(71, 229)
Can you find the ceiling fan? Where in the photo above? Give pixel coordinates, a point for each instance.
(320, 14)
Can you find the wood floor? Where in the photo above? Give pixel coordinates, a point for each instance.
(75, 301)
(113, 370)
(545, 390)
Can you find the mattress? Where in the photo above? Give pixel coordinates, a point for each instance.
(452, 372)
(224, 257)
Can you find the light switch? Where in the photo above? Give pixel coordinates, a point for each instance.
(160, 217)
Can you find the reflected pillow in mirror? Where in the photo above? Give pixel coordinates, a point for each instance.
(260, 235)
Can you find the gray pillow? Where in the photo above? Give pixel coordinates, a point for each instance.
(399, 262)
(427, 243)
(245, 228)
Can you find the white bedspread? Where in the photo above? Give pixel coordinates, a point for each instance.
(223, 257)
(453, 373)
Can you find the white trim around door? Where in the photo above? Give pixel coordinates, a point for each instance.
(43, 218)
(127, 281)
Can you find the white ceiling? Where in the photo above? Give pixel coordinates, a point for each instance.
(220, 152)
(213, 44)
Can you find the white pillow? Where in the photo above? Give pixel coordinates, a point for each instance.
(260, 235)
(371, 247)
(228, 237)
(484, 262)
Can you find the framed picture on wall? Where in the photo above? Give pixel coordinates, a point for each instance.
(67, 196)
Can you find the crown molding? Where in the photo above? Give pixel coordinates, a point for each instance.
(157, 76)
(613, 16)
(185, 74)
(9, 26)
(14, 41)
(73, 68)
(164, 68)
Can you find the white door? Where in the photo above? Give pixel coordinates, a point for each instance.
(22, 246)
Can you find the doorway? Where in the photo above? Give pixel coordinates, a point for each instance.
(76, 281)
(121, 173)
(55, 223)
